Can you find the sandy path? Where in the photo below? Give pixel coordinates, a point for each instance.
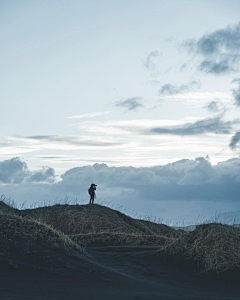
(132, 273)
(141, 262)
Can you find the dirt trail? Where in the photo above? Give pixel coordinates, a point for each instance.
(132, 272)
(141, 262)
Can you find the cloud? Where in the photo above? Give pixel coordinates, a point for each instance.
(149, 62)
(186, 179)
(236, 92)
(45, 175)
(219, 51)
(214, 67)
(130, 103)
(234, 140)
(184, 127)
(213, 106)
(188, 184)
(15, 171)
(203, 99)
(209, 125)
(16, 145)
(116, 127)
(68, 142)
(169, 89)
(153, 82)
(90, 115)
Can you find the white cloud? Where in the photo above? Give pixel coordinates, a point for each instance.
(215, 125)
(89, 115)
(55, 142)
(11, 150)
(202, 99)
(116, 127)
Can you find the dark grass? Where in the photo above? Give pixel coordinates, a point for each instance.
(211, 249)
(29, 245)
(41, 237)
(96, 225)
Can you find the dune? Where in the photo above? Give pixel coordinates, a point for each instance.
(33, 247)
(96, 225)
(210, 249)
(41, 258)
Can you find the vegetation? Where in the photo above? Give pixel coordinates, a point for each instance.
(209, 249)
(96, 225)
(30, 245)
(41, 237)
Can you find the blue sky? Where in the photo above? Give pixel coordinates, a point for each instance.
(122, 83)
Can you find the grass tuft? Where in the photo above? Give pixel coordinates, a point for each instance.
(31, 245)
(209, 249)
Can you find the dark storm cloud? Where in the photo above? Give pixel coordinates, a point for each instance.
(186, 179)
(219, 50)
(169, 89)
(236, 92)
(234, 140)
(130, 103)
(210, 125)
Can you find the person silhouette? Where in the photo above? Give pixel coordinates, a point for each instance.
(91, 192)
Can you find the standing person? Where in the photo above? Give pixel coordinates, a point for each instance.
(91, 192)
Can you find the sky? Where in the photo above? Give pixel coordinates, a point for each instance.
(140, 97)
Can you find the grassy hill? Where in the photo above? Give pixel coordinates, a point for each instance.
(95, 225)
(49, 240)
(209, 249)
(52, 239)
(31, 246)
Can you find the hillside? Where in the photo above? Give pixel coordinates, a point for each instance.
(95, 225)
(31, 246)
(40, 261)
(210, 249)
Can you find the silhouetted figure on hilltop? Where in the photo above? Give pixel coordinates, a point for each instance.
(91, 192)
